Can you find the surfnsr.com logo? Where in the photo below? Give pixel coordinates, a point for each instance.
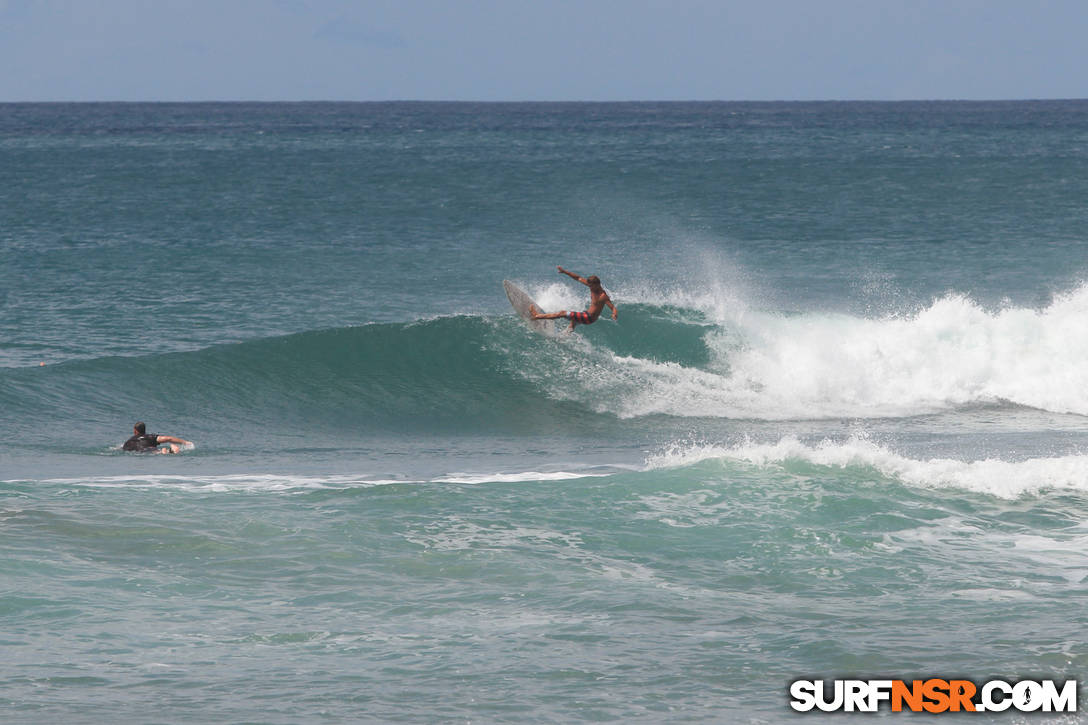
(933, 695)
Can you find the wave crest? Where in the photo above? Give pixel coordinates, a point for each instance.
(1005, 479)
(467, 373)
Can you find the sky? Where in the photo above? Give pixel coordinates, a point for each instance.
(541, 50)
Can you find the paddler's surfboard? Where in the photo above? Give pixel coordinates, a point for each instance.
(520, 300)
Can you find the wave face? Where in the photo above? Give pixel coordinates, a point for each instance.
(374, 377)
(482, 373)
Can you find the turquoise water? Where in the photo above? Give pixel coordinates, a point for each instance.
(837, 430)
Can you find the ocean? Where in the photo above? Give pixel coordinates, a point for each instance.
(837, 431)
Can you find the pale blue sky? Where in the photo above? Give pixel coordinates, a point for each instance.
(179, 50)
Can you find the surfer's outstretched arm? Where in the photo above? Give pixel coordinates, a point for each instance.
(173, 444)
(572, 275)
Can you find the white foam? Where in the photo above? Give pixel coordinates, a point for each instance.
(272, 482)
(477, 478)
(1006, 479)
(218, 483)
(821, 365)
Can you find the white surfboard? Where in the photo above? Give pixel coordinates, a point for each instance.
(520, 300)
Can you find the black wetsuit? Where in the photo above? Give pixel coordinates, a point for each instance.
(140, 443)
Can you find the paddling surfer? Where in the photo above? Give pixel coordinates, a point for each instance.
(598, 299)
(144, 442)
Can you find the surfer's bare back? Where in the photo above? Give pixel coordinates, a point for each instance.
(598, 298)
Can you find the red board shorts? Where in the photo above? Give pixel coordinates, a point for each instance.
(582, 318)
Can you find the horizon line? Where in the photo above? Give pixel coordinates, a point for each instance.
(550, 101)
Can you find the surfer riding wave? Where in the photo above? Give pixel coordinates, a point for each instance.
(598, 299)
